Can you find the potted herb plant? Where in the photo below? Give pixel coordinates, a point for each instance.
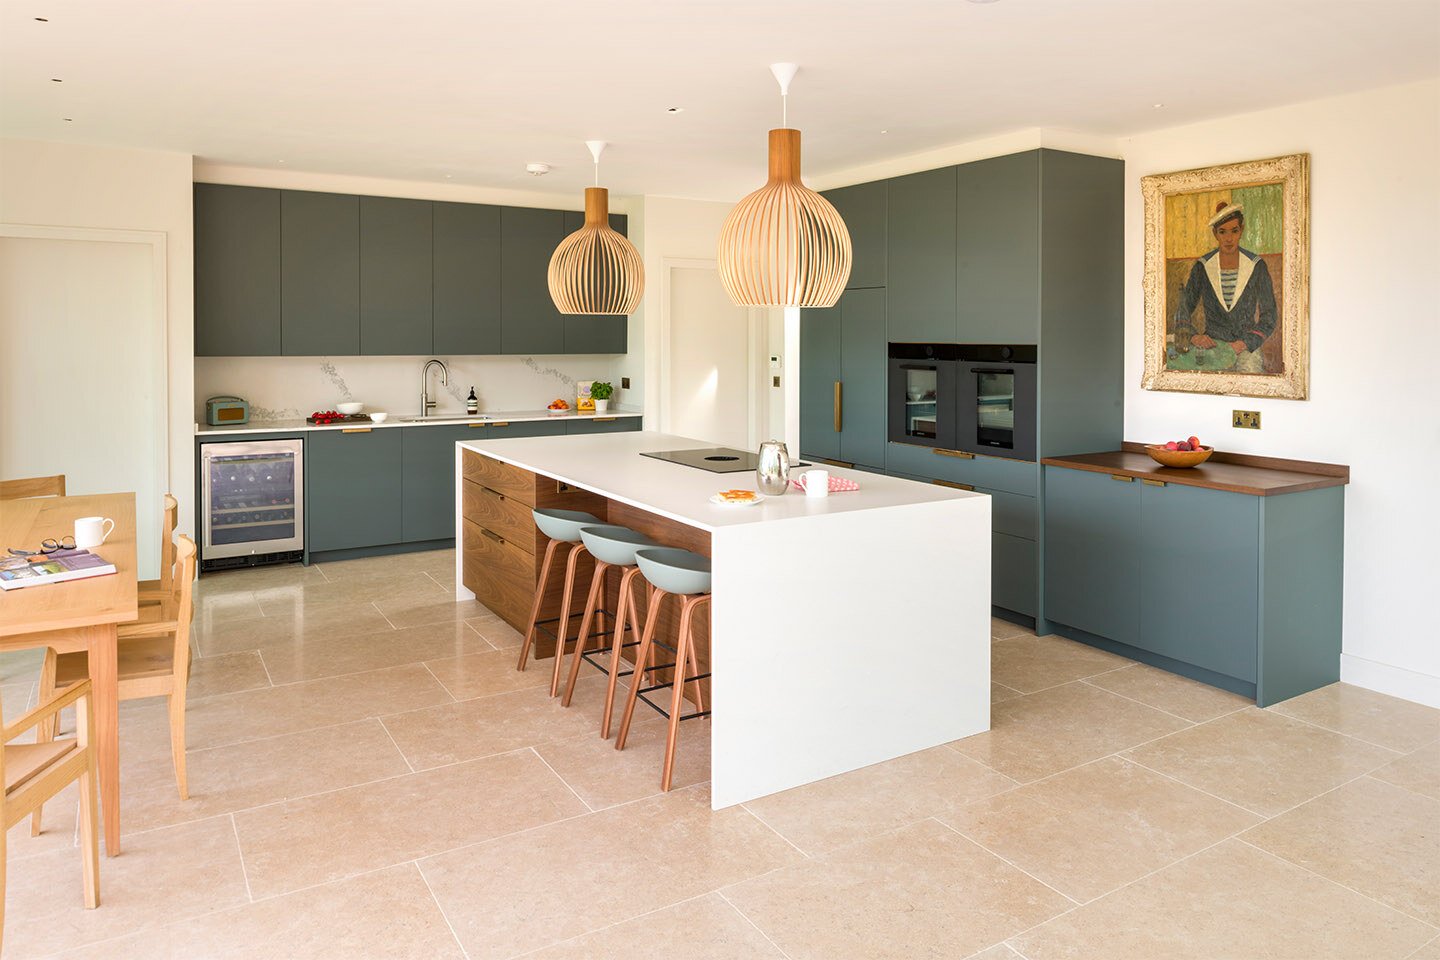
(601, 391)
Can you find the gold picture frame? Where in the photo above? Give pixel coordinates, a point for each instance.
(1195, 221)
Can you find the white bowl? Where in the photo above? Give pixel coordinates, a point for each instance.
(349, 409)
(379, 417)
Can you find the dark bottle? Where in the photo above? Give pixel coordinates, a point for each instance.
(472, 403)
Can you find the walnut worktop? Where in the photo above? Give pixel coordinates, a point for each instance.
(1232, 472)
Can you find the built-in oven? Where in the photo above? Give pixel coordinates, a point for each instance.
(974, 398)
(252, 502)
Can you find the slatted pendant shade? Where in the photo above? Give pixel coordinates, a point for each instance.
(596, 270)
(784, 245)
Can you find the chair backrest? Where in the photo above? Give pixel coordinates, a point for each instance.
(33, 487)
(184, 606)
(169, 520)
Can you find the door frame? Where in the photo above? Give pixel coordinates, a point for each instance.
(755, 351)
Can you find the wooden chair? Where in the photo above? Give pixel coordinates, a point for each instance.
(154, 661)
(35, 772)
(32, 487)
(163, 589)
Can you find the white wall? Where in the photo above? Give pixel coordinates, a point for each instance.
(71, 185)
(1374, 317)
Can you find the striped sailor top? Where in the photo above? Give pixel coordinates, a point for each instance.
(1227, 285)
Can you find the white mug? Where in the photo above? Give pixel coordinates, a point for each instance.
(817, 483)
(91, 531)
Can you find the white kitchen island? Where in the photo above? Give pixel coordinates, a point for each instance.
(845, 630)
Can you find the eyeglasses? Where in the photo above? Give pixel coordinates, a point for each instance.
(48, 545)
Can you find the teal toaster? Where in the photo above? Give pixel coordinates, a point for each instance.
(223, 411)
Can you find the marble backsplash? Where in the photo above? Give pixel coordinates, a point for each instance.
(290, 388)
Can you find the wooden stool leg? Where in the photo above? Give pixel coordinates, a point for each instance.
(624, 610)
(694, 659)
(535, 607)
(647, 639)
(562, 625)
(592, 610)
(677, 689)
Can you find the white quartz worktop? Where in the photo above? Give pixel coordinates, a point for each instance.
(435, 420)
(611, 465)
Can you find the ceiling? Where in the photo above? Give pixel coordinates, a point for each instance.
(471, 90)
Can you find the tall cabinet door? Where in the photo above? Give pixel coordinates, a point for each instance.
(1092, 554)
(862, 376)
(319, 273)
(920, 261)
(237, 271)
(428, 484)
(395, 277)
(998, 249)
(529, 322)
(467, 279)
(585, 333)
(862, 207)
(819, 374)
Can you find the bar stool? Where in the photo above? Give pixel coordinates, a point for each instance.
(561, 526)
(687, 576)
(613, 547)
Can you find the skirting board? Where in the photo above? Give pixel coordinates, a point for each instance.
(1394, 681)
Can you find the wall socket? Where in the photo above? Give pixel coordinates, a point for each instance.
(624, 383)
(1246, 419)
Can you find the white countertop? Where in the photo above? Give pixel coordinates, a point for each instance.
(610, 464)
(435, 420)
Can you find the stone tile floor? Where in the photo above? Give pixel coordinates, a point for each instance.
(370, 777)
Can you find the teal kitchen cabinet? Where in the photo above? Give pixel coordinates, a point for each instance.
(1013, 573)
(998, 249)
(496, 429)
(993, 473)
(920, 244)
(585, 333)
(1092, 553)
(820, 383)
(396, 277)
(842, 380)
(602, 424)
(237, 271)
(428, 480)
(353, 488)
(466, 296)
(529, 322)
(863, 207)
(319, 274)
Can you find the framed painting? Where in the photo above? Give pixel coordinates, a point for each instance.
(1227, 279)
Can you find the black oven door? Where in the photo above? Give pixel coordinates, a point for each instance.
(921, 395)
(996, 409)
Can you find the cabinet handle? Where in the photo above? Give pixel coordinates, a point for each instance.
(835, 463)
(501, 423)
(1116, 476)
(957, 454)
(1152, 483)
(355, 430)
(493, 536)
(839, 405)
(473, 425)
(496, 494)
(952, 484)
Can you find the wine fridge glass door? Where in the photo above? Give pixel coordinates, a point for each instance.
(253, 498)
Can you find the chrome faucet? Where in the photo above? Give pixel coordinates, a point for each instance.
(426, 404)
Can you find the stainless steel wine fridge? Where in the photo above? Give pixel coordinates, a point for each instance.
(253, 502)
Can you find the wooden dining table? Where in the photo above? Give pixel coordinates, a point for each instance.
(78, 614)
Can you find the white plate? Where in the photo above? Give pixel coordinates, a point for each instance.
(722, 502)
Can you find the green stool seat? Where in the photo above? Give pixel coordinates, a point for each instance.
(675, 571)
(614, 544)
(564, 525)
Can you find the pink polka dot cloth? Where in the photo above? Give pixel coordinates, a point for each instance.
(837, 484)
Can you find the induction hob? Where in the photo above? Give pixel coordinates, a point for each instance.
(714, 459)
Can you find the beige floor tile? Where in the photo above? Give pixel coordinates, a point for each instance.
(500, 634)
(877, 799)
(998, 952)
(1366, 715)
(500, 723)
(58, 822)
(398, 586)
(162, 876)
(313, 622)
(212, 609)
(227, 673)
(1093, 829)
(245, 775)
(21, 666)
(317, 658)
(1373, 837)
(707, 928)
(1029, 664)
(1431, 951)
(363, 567)
(1163, 690)
(389, 914)
(1043, 733)
(1418, 771)
(1004, 629)
(999, 692)
(484, 674)
(16, 698)
(414, 612)
(524, 891)
(1262, 761)
(299, 843)
(256, 578)
(922, 891)
(1231, 902)
(605, 777)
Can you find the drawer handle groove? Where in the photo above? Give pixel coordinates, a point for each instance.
(501, 423)
(474, 425)
(355, 430)
(1153, 483)
(493, 536)
(1122, 479)
(958, 454)
(952, 484)
(605, 419)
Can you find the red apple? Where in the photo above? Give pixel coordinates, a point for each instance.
(1172, 445)
(1185, 446)
(1195, 442)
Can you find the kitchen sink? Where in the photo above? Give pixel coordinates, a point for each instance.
(441, 417)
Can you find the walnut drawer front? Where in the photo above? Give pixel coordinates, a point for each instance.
(511, 481)
(500, 572)
(510, 518)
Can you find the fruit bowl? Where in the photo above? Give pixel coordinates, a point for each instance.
(1178, 458)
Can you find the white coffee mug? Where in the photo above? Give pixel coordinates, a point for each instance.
(91, 531)
(817, 483)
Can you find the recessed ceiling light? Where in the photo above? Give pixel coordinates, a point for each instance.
(43, 19)
(884, 131)
(449, 176)
(69, 119)
(279, 161)
(1157, 106)
(982, 1)
(56, 80)
(674, 109)
(537, 169)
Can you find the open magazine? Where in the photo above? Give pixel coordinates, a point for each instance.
(57, 567)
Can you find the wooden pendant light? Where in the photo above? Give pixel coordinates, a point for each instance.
(784, 245)
(596, 270)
